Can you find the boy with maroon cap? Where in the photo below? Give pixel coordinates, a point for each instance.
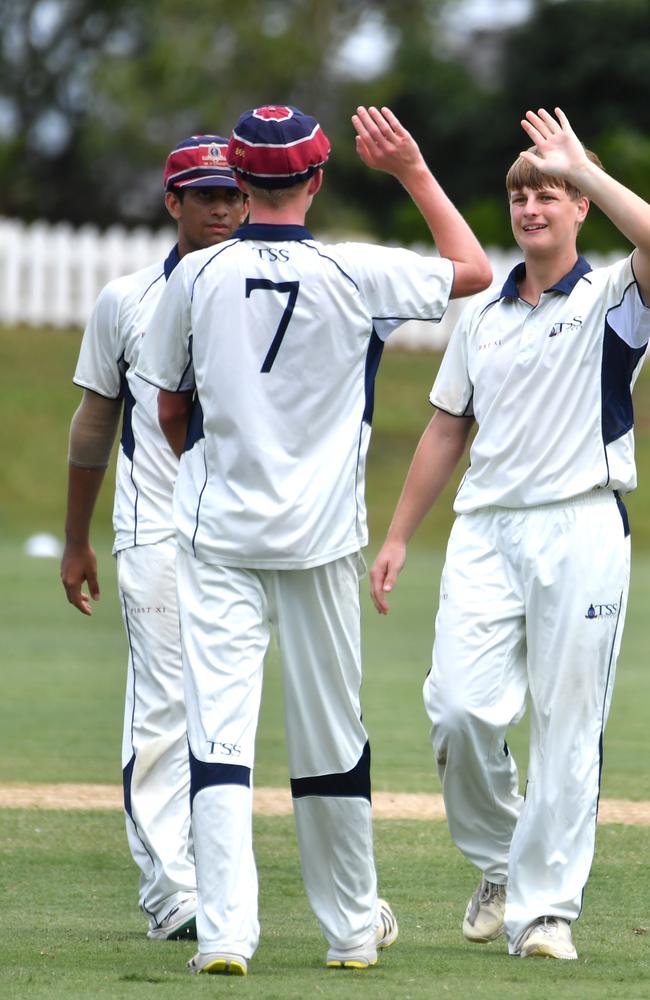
(279, 336)
(203, 198)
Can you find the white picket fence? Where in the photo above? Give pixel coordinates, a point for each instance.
(50, 275)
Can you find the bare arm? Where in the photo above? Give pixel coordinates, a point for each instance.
(436, 456)
(384, 144)
(561, 154)
(79, 563)
(174, 409)
(92, 433)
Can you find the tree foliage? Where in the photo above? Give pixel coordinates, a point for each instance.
(49, 52)
(96, 92)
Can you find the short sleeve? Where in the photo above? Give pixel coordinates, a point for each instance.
(98, 365)
(629, 317)
(165, 358)
(398, 285)
(453, 390)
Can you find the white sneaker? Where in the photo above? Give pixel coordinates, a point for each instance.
(179, 924)
(483, 919)
(219, 963)
(365, 955)
(548, 937)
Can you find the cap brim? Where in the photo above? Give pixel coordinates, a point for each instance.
(206, 182)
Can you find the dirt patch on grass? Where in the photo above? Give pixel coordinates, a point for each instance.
(277, 802)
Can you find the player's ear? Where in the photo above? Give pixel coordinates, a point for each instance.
(583, 208)
(315, 182)
(173, 204)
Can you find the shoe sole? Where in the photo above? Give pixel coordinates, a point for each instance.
(224, 967)
(391, 931)
(186, 932)
(546, 951)
(484, 938)
(348, 963)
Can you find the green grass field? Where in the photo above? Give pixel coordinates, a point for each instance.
(70, 925)
(71, 930)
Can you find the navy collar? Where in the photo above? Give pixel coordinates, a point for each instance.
(272, 232)
(565, 285)
(172, 261)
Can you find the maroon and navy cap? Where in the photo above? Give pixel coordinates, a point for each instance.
(199, 161)
(277, 146)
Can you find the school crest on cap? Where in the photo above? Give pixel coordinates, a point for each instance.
(277, 146)
(199, 161)
(215, 155)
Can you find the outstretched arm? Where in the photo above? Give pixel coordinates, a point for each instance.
(434, 461)
(561, 154)
(384, 144)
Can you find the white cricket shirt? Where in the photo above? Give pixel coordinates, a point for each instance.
(146, 465)
(550, 387)
(281, 337)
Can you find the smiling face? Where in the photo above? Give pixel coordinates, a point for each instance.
(206, 215)
(545, 220)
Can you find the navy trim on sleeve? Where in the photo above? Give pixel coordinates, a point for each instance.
(619, 363)
(373, 357)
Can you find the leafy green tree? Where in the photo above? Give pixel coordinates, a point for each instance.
(49, 50)
(200, 64)
(97, 91)
(441, 103)
(94, 93)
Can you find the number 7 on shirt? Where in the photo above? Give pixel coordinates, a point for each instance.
(289, 288)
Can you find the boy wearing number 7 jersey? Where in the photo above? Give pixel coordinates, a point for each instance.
(279, 337)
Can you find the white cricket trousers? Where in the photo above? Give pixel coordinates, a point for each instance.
(226, 615)
(532, 605)
(154, 744)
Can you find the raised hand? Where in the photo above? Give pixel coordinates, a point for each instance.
(383, 143)
(559, 151)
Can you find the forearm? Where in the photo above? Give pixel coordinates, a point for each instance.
(629, 213)
(78, 564)
(384, 144)
(436, 456)
(452, 235)
(435, 459)
(92, 433)
(83, 489)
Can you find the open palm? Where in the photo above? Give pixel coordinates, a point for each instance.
(559, 151)
(383, 143)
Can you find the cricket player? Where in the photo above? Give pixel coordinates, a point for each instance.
(280, 336)
(535, 584)
(203, 198)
